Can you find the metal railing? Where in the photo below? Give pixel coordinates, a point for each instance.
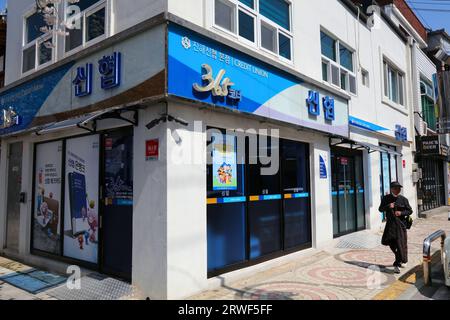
(427, 253)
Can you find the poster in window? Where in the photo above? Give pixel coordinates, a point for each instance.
(224, 164)
(81, 199)
(47, 202)
(386, 173)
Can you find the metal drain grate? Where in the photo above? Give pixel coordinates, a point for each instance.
(359, 241)
(95, 288)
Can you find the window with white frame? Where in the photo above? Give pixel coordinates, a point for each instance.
(37, 48)
(263, 23)
(87, 22)
(394, 83)
(338, 63)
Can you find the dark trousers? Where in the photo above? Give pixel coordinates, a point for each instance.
(396, 250)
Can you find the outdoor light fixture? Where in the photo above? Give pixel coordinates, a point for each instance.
(165, 118)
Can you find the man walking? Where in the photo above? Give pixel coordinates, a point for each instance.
(397, 210)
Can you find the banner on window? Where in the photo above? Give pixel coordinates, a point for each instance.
(47, 202)
(225, 165)
(81, 199)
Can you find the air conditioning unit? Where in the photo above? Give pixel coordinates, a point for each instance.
(424, 128)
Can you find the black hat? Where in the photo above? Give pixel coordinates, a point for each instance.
(396, 184)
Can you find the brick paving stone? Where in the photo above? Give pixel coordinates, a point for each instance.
(334, 273)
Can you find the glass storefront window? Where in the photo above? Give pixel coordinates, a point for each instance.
(270, 215)
(226, 235)
(81, 198)
(389, 173)
(295, 184)
(47, 198)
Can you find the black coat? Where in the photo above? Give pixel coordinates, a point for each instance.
(395, 233)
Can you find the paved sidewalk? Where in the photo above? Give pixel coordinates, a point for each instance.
(340, 273)
(93, 286)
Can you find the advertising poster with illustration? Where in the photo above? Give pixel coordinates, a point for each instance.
(224, 164)
(47, 202)
(81, 199)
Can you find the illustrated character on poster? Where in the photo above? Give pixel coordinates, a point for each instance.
(92, 221)
(81, 241)
(86, 237)
(40, 199)
(225, 173)
(44, 212)
(84, 214)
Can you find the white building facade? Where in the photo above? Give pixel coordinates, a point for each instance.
(172, 142)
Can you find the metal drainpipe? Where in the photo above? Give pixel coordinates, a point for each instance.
(415, 88)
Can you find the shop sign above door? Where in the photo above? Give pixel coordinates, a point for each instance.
(431, 145)
(205, 70)
(109, 68)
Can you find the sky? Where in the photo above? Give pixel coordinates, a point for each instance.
(2, 4)
(434, 14)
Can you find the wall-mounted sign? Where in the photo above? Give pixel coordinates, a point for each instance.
(218, 86)
(48, 93)
(430, 145)
(323, 168)
(263, 90)
(313, 103)
(9, 118)
(152, 150)
(401, 133)
(109, 68)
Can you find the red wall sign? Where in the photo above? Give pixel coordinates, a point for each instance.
(152, 149)
(344, 161)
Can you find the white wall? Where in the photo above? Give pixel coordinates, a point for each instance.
(150, 225)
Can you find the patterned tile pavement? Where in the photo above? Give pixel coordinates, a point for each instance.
(337, 273)
(331, 274)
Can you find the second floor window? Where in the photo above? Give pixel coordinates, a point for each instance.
(88, 21)
(394, 84)
(37, 49)
(429, 110)
(264, 23)
(337, 63)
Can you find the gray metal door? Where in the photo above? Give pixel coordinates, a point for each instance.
(13, 196)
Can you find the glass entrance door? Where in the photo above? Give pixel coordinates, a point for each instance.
(13, 200)
(117, 215)
(347, 192)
